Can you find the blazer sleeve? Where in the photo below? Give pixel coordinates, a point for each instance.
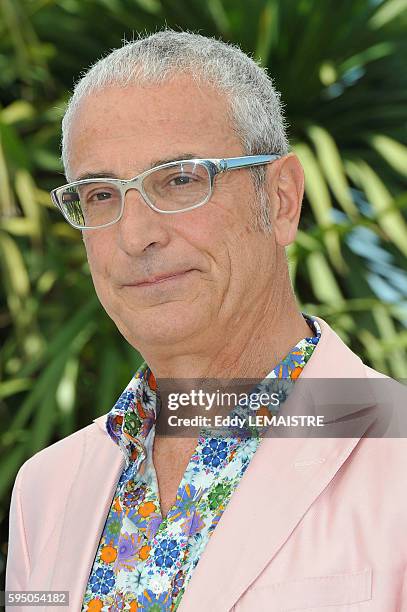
(18, 563)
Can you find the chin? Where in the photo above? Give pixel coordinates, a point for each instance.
(164, 325)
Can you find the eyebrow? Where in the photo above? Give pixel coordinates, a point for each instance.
(153, 164)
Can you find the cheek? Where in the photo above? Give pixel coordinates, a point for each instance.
(100, 259)
(222, 223)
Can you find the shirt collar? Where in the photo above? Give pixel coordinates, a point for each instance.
(132, 417)
(135, 413)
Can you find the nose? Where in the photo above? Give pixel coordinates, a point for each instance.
(140, 227)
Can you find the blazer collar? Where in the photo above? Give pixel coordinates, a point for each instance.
(98, 465)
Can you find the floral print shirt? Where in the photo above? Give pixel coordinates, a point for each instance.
(144, 561)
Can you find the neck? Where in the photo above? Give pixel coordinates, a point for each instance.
(248, 346)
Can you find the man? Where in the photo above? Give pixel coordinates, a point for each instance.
(189, 261)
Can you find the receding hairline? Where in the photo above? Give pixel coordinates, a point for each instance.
(171, 78)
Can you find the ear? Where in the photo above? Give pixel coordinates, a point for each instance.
(286, 184)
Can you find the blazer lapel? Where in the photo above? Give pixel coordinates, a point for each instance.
(284, 478)
(92, 492)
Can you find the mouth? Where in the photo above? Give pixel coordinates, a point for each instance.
(161, 279)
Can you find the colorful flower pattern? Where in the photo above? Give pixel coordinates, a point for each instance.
(144, 561)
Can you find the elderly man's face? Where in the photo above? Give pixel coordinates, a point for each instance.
(218, 266)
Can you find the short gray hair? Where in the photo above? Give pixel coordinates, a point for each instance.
(255, 108)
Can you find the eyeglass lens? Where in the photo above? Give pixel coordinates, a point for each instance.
(171, 189)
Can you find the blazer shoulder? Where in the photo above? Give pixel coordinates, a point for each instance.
(43, 487)
(391, 399)
(65, 454)
(371, 373)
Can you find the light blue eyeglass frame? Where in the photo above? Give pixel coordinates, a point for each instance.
(213, 167)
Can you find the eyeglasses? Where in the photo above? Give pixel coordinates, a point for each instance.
(169, 188)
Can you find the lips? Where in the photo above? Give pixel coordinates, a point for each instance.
(158, 278)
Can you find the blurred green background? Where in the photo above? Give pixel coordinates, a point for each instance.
(341, 69)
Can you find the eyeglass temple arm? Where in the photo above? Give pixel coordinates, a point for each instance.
(233, 163)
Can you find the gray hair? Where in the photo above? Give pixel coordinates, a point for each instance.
(255, 108)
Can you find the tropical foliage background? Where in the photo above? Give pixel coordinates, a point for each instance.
(341, 69)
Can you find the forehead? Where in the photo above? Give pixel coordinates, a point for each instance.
(122, 129)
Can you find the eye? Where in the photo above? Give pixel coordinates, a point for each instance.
(90, 194)
(99, 196)
(182, 179)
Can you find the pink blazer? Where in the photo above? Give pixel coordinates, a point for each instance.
(316, 524)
